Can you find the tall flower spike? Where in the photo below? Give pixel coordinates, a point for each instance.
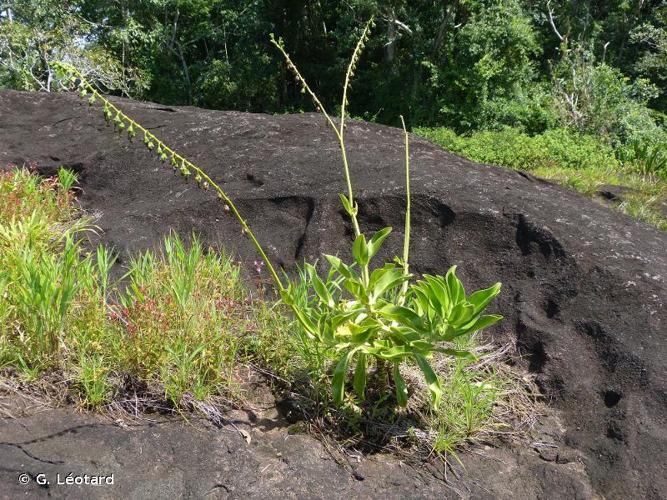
(120, 121)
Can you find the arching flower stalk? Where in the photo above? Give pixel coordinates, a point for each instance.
(123, 123)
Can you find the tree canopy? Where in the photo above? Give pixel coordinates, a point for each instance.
(596, 66)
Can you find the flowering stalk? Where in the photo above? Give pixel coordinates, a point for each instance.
(348, 202)
(406, 239)
(179, 163)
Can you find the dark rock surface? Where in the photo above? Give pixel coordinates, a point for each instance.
(614, 193)
(165, 458)
(584, 287)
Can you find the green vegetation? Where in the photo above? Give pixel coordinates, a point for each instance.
(576, 89)
(467, 65)
(176, 325)
(170, 329)
(364, 316)
(581, 162)
(359, 314)
(180, 326)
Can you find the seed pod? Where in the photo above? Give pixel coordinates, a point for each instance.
(91, 101)
(83, 93)
(205, 185)
(131, 133)
(163, 157)
(198, 179)
(226, 207)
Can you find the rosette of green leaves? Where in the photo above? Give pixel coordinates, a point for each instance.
(363, 315)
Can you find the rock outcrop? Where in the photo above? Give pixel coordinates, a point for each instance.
(584, 287)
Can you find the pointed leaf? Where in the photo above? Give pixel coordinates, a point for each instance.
(376, 241)
(338, 380)
(360, 250)
(401, 388)
(431, 379)
(322, 291)
(482, 322)
(360, 376)
(456, 290)
(481, 298)
(459, 354)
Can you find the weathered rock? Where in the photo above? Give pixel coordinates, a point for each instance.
(584, 287)
(614, 193)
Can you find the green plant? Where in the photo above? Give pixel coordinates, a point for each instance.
(92, 379)
(646, 158)
(361, 313)
(66, 178)
(378, 315)
(557, 148)
(174, 325)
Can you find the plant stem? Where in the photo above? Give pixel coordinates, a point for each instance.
(406, 239)
(204, 176)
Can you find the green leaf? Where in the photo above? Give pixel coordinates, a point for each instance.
(461, 314)
(346, 203)
(481, 298)
(383, 279)
(398, 351)
(376, 241)
(402, 315)
(482, 322)
(431, 378)
(339, 266)
(338, 380)
(360, 376)
(456, 290)
(360, 250)
(322, 291)
(305, 321)
(458, 353)
(436, 290)
(356, 289)
(401, 388)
